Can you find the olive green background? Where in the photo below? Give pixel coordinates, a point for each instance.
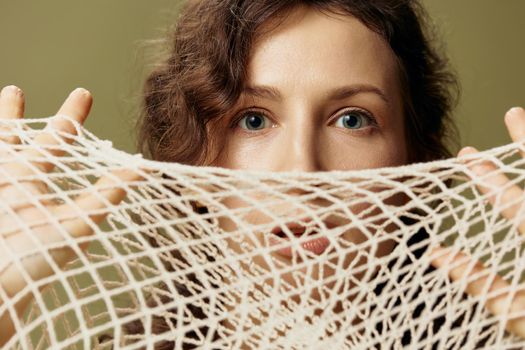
(50, 47)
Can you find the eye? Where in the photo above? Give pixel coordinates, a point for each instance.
(254, 121)
(354, 120)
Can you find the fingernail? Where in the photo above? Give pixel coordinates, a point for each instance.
(467, 151)
(516, 110)
(80, 91)
(512, 114)
(11, 90)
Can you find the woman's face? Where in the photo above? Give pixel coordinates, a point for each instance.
(323, 93)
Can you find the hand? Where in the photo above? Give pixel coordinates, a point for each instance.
(511, 200)
(24, 219)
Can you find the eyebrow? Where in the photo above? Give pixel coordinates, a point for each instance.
(337, 94)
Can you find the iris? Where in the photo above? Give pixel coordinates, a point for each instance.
(253, 121)
(352, 121)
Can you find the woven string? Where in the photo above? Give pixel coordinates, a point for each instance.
(201, 257)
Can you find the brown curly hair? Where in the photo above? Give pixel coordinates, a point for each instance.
(205, 71)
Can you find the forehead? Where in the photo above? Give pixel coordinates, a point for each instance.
(310, 46)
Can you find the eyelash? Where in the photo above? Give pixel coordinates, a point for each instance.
(364, 113)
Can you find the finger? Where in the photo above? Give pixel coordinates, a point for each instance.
(107, 191)
(515, 122)
(490, 180)
(11, 102)
(76, 106)
(11, 107)
(24, 194)
(462, 266)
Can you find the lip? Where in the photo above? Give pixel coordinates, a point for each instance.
(316, 245)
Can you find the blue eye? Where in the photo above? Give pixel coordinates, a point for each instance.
(253, 121)
(354, 120)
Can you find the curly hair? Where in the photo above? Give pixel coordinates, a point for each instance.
(205, 72)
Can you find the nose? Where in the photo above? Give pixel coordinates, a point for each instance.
(300, 147)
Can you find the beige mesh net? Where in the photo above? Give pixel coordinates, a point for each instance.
(426, 256)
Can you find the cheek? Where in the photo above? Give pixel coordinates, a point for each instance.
(249, 153)
(343, 152)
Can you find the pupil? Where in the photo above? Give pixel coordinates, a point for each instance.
(254, 122)
(351, 121)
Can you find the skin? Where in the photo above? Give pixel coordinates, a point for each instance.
(353, 75)
(302, 134)
(77, 107)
